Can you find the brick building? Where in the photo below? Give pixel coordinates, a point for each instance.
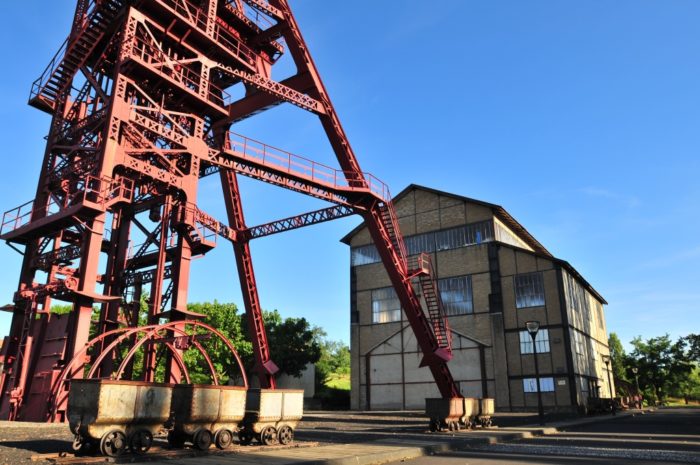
(493, 277)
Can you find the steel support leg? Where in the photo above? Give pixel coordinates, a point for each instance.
(264, 366)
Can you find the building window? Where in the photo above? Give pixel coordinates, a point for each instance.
(364, 255)
(529, 290)
(456, 294)
(385, 305)
(420, 243)
(546, 384)
(446, 239)
(599, 314)
(579, 343)
(576, 295)
(542, 341)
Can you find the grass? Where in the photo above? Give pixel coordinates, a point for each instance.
(341, 382)
(674, 402)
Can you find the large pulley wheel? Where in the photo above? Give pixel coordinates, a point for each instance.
(268, 435)
(285, 435)
(113, 443)
(202, 439)
(245, 437)
(140, 441)
(223, 438)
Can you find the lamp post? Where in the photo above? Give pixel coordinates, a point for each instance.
(635, 370)
(606, 360)
(533, 327)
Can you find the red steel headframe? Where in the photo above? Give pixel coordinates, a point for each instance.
(141, 111)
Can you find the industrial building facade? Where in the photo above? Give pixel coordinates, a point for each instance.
(493, 276)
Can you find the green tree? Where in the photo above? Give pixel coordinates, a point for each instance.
(293, 342)
(662, 364)
(334, 361)
(618, 357)
(227, 320)
(693, 341)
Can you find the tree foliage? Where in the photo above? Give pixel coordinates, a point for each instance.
(617, 357)
(693, 341)
(293, 343)
(662, 364)
(334, 360)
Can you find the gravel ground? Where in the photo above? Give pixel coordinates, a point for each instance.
(606, 452)
(20, 441)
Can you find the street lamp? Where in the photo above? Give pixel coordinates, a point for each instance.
(533, 327)
(606, 360)
(635, 370)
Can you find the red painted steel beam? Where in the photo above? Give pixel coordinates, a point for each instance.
(264, 366)
(300, 221)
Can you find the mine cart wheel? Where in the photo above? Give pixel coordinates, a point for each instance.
(434, 425)
(268, 435)
(245, 437)
(140, 441)
(285, 435)
(223, 438)
(113, 443)
(202, 439)
(175, 440)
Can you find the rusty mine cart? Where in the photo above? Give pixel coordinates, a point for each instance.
(272, 415)
(457, 413)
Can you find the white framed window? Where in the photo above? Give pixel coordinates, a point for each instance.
(456, 294)
(542, 341)
(385, 305)
(546, 384)
(529, 290)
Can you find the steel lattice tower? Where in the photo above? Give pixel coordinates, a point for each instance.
(141, 110)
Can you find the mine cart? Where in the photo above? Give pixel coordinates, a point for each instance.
(272, 415)
(202, 414)
(444, 414)
(471, 412)
(486, 411)
(117, 414)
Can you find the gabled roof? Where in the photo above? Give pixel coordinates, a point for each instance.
(502, 215)
(498, 210)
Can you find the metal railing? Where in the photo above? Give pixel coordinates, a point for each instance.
(278, 159)
(100, 191)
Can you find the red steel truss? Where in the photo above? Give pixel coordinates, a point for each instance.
(141, 110)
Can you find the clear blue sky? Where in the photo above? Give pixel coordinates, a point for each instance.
(581, 118)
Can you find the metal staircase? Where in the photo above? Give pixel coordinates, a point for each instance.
(421, 266)
(73, 54)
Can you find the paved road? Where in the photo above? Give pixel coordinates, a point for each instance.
(663, 436)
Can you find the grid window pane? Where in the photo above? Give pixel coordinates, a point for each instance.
(385, 305)
(456, 294)
(546, 384)
(542, 341)
(576, 295)
(420, 243)
(529, 290)
(447, 239)
(364, 255)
